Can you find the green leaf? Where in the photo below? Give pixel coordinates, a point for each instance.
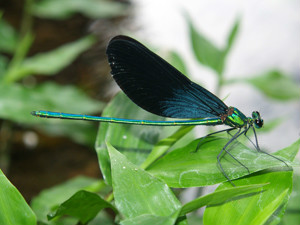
(221, 196)
(292, 212)
(51, 62)
(83, 205)
(134, 141)
(51, 198)
(151, 219)
(232, 35)
(136, 192)
(21, 51)
(184, 167)
(256, 209)
(205, 52)
(8, 37)
(13, 207)
(165, 144)
(3, 65)
(57, 9)
(276, 85)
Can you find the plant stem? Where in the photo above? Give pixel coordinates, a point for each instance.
(25, 41)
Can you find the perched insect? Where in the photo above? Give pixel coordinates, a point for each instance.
(156, 86)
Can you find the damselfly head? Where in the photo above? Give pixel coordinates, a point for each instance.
(258, 121)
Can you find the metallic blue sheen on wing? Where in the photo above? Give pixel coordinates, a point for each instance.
(156, 86)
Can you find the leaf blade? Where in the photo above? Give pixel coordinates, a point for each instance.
(134, 189)
(201, 168)
(13, 207)
(259, 208)
(83, 205)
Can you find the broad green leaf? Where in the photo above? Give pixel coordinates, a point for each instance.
(13, 207)
(136, 192)
(51, 62)
(221, 196)
(147, 219)
(134, 141)
(57, 9)
(8, 37)
(274, 84)
(260, 208)
(51, 198)
(83, 205)
(184, 167)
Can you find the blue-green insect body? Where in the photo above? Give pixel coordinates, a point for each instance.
(157, 87)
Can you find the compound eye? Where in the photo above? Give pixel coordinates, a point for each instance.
(258, 123)
(255, 115)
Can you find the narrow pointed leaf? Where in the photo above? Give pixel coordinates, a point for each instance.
(206, 53)
(51, 198)
(136, 192)
(83, 205)
(221, 196)
(13, 207)
(165, 144)
(232, 35)
(51, 62)
(135, 142)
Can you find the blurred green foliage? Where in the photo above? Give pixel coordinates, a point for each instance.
(140, 164)
(57, 9)
(18, 100)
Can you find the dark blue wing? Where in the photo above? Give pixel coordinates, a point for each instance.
(156, 86)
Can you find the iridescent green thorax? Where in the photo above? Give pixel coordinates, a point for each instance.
(235, 118)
